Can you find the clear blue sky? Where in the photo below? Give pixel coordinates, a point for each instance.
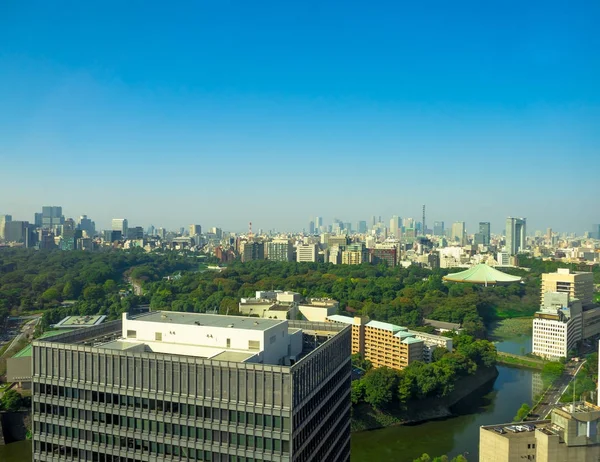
(224, 112)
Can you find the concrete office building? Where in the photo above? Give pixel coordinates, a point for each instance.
(571, 434)
(120, 224)
(280, 250)
(567, 314)
(306, 253)
(168, 386)
(438, 228)
(515, 235)
(458, 232)
(557, 326)
(577, 284)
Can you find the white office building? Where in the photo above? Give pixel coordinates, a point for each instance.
(306, 253)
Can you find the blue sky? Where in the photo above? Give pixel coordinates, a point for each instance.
(224, 112)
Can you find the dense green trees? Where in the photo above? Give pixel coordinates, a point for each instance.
(41, 280)
(383, 387)
(12, 401)
(427, 458)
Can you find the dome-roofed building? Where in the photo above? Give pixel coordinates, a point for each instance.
(482, 274)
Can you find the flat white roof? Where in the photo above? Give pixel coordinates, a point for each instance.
(212, 320)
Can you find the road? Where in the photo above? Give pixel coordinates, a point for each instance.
(557, 389)
(26, 331)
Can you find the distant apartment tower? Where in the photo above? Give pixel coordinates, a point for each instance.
(252, 250)
(306, 253)
(355, 254)
(168, 386)
(438, 228)
(483, 237)
(458, 232)
(120, 224)
(195, 230)
(280, 250)
(4, 219)
(515, 235)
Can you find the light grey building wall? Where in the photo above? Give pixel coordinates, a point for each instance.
(96, 404)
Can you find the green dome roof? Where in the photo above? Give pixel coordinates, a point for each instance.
(482, 274)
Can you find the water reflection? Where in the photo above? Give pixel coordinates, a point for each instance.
(496, 403)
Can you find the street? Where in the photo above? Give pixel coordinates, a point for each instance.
(557, 389)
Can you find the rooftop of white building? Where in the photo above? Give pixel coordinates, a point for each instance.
(209, 320)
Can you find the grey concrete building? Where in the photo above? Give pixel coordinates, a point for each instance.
(111, 392)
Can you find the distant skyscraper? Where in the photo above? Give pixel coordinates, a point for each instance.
(395, 226)
(4, 219)
(361, 227)
(87, 225)
(595, 235)
(458, 232)
(408, 222)
(515, 235)
(311, 227)
(483, 236)
(438, 228)
(51, 216)
(120, 224)
(195, 229)
(319, 224)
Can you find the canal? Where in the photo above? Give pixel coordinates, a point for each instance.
(496, 403)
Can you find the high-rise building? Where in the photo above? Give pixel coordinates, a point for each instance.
(483, 237)
(252, 250)
(86, 225)
(51, 216)
(311, 227)
(15, 231)
(186, 386)
(458, 232)
(120, 224)
(361, 227)
(438, 228)
(396, 227)
(595, 234)
(280, 250)
(355, 254)
(319, 225)
(306, 253)
(111, 236)
(515, 235)
(195, 230)
(4, 219)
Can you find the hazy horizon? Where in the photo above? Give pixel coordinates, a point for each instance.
(229, 112)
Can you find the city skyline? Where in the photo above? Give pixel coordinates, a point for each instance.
(190, 126)
(497, 227)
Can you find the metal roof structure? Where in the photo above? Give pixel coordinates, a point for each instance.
(482, 274)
